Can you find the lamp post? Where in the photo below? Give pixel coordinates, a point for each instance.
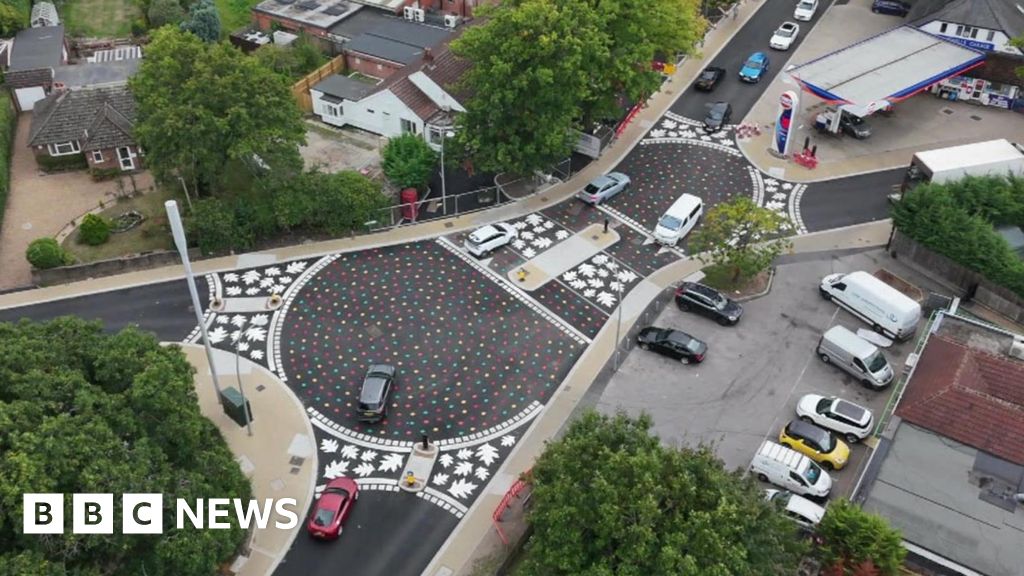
(187, 197)
(241, 389)
(178, 231)
(444, 192)
(618, 327)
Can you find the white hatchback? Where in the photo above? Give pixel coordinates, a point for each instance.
(783, 38)
(854, 422)
(799, 509)
(489, 238)
(805, 10)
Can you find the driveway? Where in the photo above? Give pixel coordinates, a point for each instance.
(40, 205)
(333, 150)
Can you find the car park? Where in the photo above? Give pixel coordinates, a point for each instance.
(754, 68)
(891, 7)
(603, 187)
(719, 114)
(674, 344)
(816, 443)
(851, 420)
(805, 10)
(373, 396)
(706, 301)
(332, 508)
(860, 358)
(784, 36)
(805, 513)
(489, 238)
(709, 78)
(791, 470)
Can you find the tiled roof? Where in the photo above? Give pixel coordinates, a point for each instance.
(98, 118)
(1005, 15)
(446, 70)
(41, 47)
(973, 397)
(414, 98)
(28, 78)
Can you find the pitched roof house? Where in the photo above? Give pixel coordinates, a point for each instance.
(96, 122)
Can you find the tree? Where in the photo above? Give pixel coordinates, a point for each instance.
(328, 203)
(94, 230)
(530, 71)
(609, 499)
(203, 21)
(203, 105)
(162, 12)
(46, 253)
(10, 20)
(859, 542)
(737, 236)
(106, 414)
(408, 161)
(1018, 43)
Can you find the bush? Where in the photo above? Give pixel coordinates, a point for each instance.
(328, 203)
(61, 163)
(408, 161)
(214, 226)
(852, 537)
(45, 253)
(103, 174)
(8, 120)
(95, 230)
(161, 12)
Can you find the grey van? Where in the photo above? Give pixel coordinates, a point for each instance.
(862, 359)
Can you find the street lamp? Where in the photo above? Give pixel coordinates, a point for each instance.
(178, 231)
(618, 327)
(241, 389)
(444, 192)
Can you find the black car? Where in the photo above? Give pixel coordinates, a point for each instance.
(892, 7)
(718, 116)
(672, 343)
(693, 297)
(709, 78)
(373, 398)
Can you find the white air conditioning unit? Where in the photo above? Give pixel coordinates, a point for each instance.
(418, 14)
(451, 20)
(1017, 349)
(410, 13)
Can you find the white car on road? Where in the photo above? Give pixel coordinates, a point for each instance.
(783, 38)
(805, 10)
(851, 420)
(489, 238)
(801, 510)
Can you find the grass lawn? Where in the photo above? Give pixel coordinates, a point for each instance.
(152, 234)
(100, 18)
(230, 18)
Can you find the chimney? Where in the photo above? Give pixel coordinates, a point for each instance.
(428, 55)
(59, 88)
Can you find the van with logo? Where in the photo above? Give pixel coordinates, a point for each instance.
(791, 470)
(679, 219)
(887, 310)
(855, 355)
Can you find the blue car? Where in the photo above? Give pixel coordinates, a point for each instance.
(892, 7)
(754, 68)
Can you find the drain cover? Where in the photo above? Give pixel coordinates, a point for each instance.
(975, 118)
(261, 388)
(947, 111)
(296, 461)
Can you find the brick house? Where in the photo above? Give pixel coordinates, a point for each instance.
(94, 122)
(392, 44)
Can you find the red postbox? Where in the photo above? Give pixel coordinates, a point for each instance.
(409, 197)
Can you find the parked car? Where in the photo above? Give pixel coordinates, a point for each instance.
(848, 124)
(816, 443)
(672, 343)
(805, 513)
(842, 416)
(709, 78)
(891, 7)
(603, 187)
(489, 238)
(705, 300)
(718, 116)
(784, 37)
(805, 10)
(373, 397)
(331, 510)
(754, 68)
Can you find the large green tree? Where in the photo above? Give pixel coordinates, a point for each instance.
(201, 105)
(203, 21)
(609, 499)
(740, 237)
(853, 539)
(408, 161)
(86, 412)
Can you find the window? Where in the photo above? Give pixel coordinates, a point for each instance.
(64, 148)
(434, 135)
(409, 127)
(942, 30)
(97, 156)
(380, 66)
(369, 111)
(333, 110)
(991, 35)
(359, 61)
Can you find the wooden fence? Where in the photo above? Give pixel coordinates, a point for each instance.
(300, 90)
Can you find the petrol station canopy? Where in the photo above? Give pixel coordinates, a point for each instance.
(884, 69)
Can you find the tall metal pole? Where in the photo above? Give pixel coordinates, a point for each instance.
(618, 328)
(241, 389)
(444, 192)
(178, 231)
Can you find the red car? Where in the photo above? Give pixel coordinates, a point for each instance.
(332, 509)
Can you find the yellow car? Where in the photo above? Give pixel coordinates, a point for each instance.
(817, 443)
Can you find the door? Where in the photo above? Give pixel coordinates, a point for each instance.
(27, 97)
(126, 158)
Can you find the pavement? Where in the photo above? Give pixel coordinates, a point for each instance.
(919, 123)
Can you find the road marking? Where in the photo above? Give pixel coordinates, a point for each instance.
(443, 500)
(794, 208)
(493, 432)
(359, 439)
(648, 237)
(277, 318)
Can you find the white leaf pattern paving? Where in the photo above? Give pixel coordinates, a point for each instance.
(390, 463)
(364, 469)
(439, 479)
(507, 441)
(445, 460)
(335, 469)
(487, 454)
(461, 488)
(463, 468)
(329, 445)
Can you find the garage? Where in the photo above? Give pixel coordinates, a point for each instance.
(27, 97)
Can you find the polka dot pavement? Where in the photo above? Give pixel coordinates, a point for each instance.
(469, 354)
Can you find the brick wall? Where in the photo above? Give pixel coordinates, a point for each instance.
(110, 159)
(370, 66)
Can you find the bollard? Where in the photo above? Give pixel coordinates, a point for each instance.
(814, 151)
(807, 143)
(522, 275)
(424, 437)
(605, 225)
(410, 480)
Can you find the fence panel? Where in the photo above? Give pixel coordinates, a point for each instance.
(300, 90)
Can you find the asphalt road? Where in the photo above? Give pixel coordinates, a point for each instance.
(753, 37)
(848, 201)
(164, 309)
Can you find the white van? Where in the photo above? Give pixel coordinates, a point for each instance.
(885, 308)
(791, 470)
(862, 359)
(679, 219)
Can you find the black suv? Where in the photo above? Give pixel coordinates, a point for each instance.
(373, 398)
(693, 297)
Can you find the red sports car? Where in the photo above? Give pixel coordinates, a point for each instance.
(332, 509)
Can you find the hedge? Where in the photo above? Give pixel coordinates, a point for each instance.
(62, 163)
(8, 120)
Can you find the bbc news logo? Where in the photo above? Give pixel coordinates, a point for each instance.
(144, 513)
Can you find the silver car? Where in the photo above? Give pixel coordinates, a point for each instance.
(604, 187)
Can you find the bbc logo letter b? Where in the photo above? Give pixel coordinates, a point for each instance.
(43, 514)
(92, 514)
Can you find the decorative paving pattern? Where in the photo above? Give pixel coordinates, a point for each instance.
(469, 355)
(586, 317)
(263, 280)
